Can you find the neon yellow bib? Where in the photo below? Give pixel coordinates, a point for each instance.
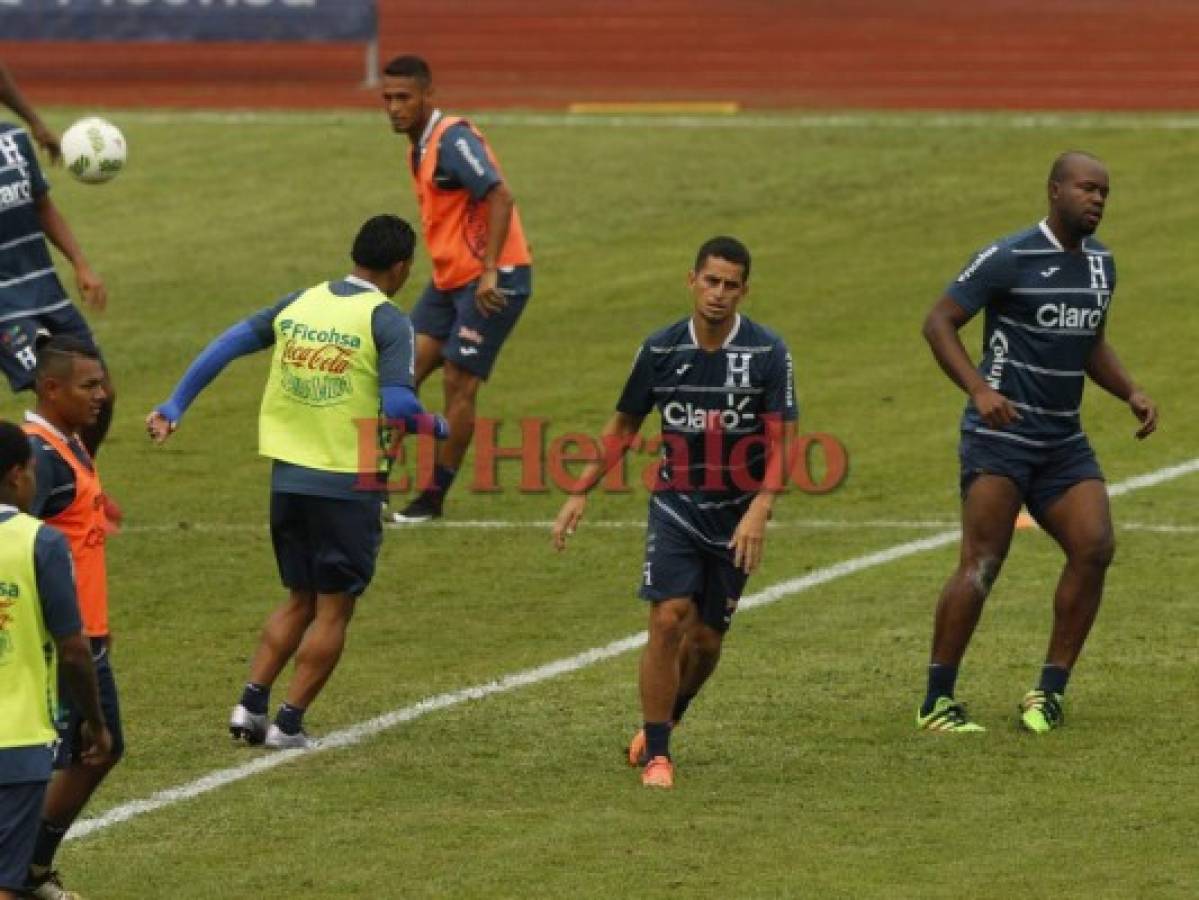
(28, 665)
(323, 389)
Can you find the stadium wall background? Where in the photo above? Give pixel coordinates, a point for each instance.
(923, 54)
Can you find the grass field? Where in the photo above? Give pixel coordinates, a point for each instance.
(799, 771)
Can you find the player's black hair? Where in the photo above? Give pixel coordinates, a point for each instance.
(1057, 172)
(724, 247)
(382, 242)
(14, 447)
(54, 350)
(410, 67)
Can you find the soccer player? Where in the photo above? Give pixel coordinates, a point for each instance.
(69, 381)
(1047, 291)
(39, 633)
(342, 352)
(482, 274)
(11, 96)
(723, 386)
(32, 299)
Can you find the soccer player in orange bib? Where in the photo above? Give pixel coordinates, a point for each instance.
(482, 267)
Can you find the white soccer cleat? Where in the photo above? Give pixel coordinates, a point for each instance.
(247, 726)
(278, 739)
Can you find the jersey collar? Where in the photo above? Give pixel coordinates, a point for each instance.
(728, 340)
(33, 417)
(6, 508)
(1050, 236)
(361, 282)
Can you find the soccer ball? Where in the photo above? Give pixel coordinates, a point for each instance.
(94, 150)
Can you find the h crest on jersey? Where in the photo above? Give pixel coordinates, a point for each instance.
(738, 370)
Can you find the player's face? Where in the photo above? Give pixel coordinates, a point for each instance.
(718, 287)
(77, 399)
(408, 104)
(1079, 198)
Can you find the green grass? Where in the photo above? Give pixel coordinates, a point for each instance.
(800, 773)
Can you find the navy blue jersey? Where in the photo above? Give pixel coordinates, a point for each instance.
(713, 405)
(28, 282)
(55, 477)
(1045, 309)
(462, 161)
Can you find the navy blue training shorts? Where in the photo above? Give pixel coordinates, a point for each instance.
(681, 563)
(1041, 473)
(20, 815)
(472, 340)
(71, 721)
(326, 545)
(18, 334)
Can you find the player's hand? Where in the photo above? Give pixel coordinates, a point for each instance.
(488, 297)
(97, 744)
(91, 288)
(48, 141)
(993, 408)
(1146, 412)
(568, 519)
(159, 427)
(749, 540)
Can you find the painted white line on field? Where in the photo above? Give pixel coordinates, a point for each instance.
(757, 121)
(356, 734)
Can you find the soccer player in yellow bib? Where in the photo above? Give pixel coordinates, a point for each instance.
(343, 354)
(40, 631)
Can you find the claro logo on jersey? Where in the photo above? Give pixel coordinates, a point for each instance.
(978, 261)
(696, 418)
(1059, 315)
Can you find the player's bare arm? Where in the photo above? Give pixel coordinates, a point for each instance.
(500, 204)
(1105, 369)
(941, 327)
(749, 538)
(91, 287)
(616, 438)
(11, 96)
(79, 675)
(159, 427)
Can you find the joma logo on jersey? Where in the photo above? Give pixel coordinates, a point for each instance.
(978, 261)
(738, 371)
(684, 415)
(999, 352)
(1059, 315)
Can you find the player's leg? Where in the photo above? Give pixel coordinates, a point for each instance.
(345, 539)
(470, 352)
(20, 811)
(1079, 519)
(991, 500)
(723, 585)
(18, 355)
(73, 783)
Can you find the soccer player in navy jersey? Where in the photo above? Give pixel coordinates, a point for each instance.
(1046, 292)
(724, 388)
(32, 299)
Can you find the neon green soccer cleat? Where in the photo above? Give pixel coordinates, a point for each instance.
(947, 715)
(1041, 712)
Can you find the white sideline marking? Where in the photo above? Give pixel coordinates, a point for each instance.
(356, 734)
(781, 121)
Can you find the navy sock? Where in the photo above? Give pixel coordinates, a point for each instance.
(657, 739)
(941, 681)
(49, 836)
(443, 477)
(1053, 679)
(256, 698)
(681, 702)
(290, 719)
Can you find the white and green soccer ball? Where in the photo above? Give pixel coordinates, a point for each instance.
(94, 150)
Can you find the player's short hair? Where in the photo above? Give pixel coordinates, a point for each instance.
(724, 247)
(57, 353)
(14, 447)
(382, 242)
(1057, 172)
(409, 66)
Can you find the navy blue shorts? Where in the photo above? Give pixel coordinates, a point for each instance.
(679, 562)
(326, 545)
(17, 336)
(20, 815)
(70, 721)
(472, 340)
(1041, 473)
